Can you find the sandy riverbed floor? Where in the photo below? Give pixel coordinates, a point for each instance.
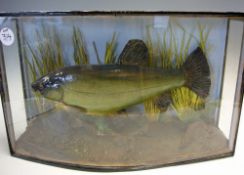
(63, 135)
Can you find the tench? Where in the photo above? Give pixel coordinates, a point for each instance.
(103, 89)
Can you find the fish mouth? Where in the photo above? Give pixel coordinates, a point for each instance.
(36, 86)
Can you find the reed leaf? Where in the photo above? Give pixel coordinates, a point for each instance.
(110, 56)
(96, 52)
(184, 99)
(80, 51)
(204, 32)
(166, 51)
(151, 110)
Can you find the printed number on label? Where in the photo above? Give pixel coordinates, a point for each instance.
(6, 36)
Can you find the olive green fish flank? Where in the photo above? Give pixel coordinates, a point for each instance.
(110, 88)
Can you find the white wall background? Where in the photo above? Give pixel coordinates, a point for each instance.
(13, 166)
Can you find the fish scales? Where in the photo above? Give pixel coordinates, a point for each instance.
(103, 90)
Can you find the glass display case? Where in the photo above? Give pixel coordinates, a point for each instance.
(121, 90)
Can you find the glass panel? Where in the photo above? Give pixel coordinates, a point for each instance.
(122, 91)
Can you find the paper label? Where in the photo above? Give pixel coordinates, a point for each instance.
(6, 36)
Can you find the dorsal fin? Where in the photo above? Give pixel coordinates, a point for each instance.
(135, 52)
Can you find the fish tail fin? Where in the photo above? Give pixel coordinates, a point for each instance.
(197, 72)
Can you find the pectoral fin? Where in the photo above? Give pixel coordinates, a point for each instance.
(163, 101)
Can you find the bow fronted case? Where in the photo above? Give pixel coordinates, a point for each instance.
(121, 90)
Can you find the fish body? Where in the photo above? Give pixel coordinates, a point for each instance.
(105, 89)
(108, 88)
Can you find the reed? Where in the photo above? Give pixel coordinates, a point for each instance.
(47, 55)
(181, 50)
(151, 48)
(33, 72)
(80, 54)
(203, 37)
(168, 52)
(172, 54)
(44, 57)
(151, 109)
(110, 55)
(183, 98)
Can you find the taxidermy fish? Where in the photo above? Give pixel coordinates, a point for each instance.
(103, 89)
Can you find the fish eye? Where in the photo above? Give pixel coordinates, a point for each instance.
(45, 79)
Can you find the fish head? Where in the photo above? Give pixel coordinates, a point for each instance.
(50, 86)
